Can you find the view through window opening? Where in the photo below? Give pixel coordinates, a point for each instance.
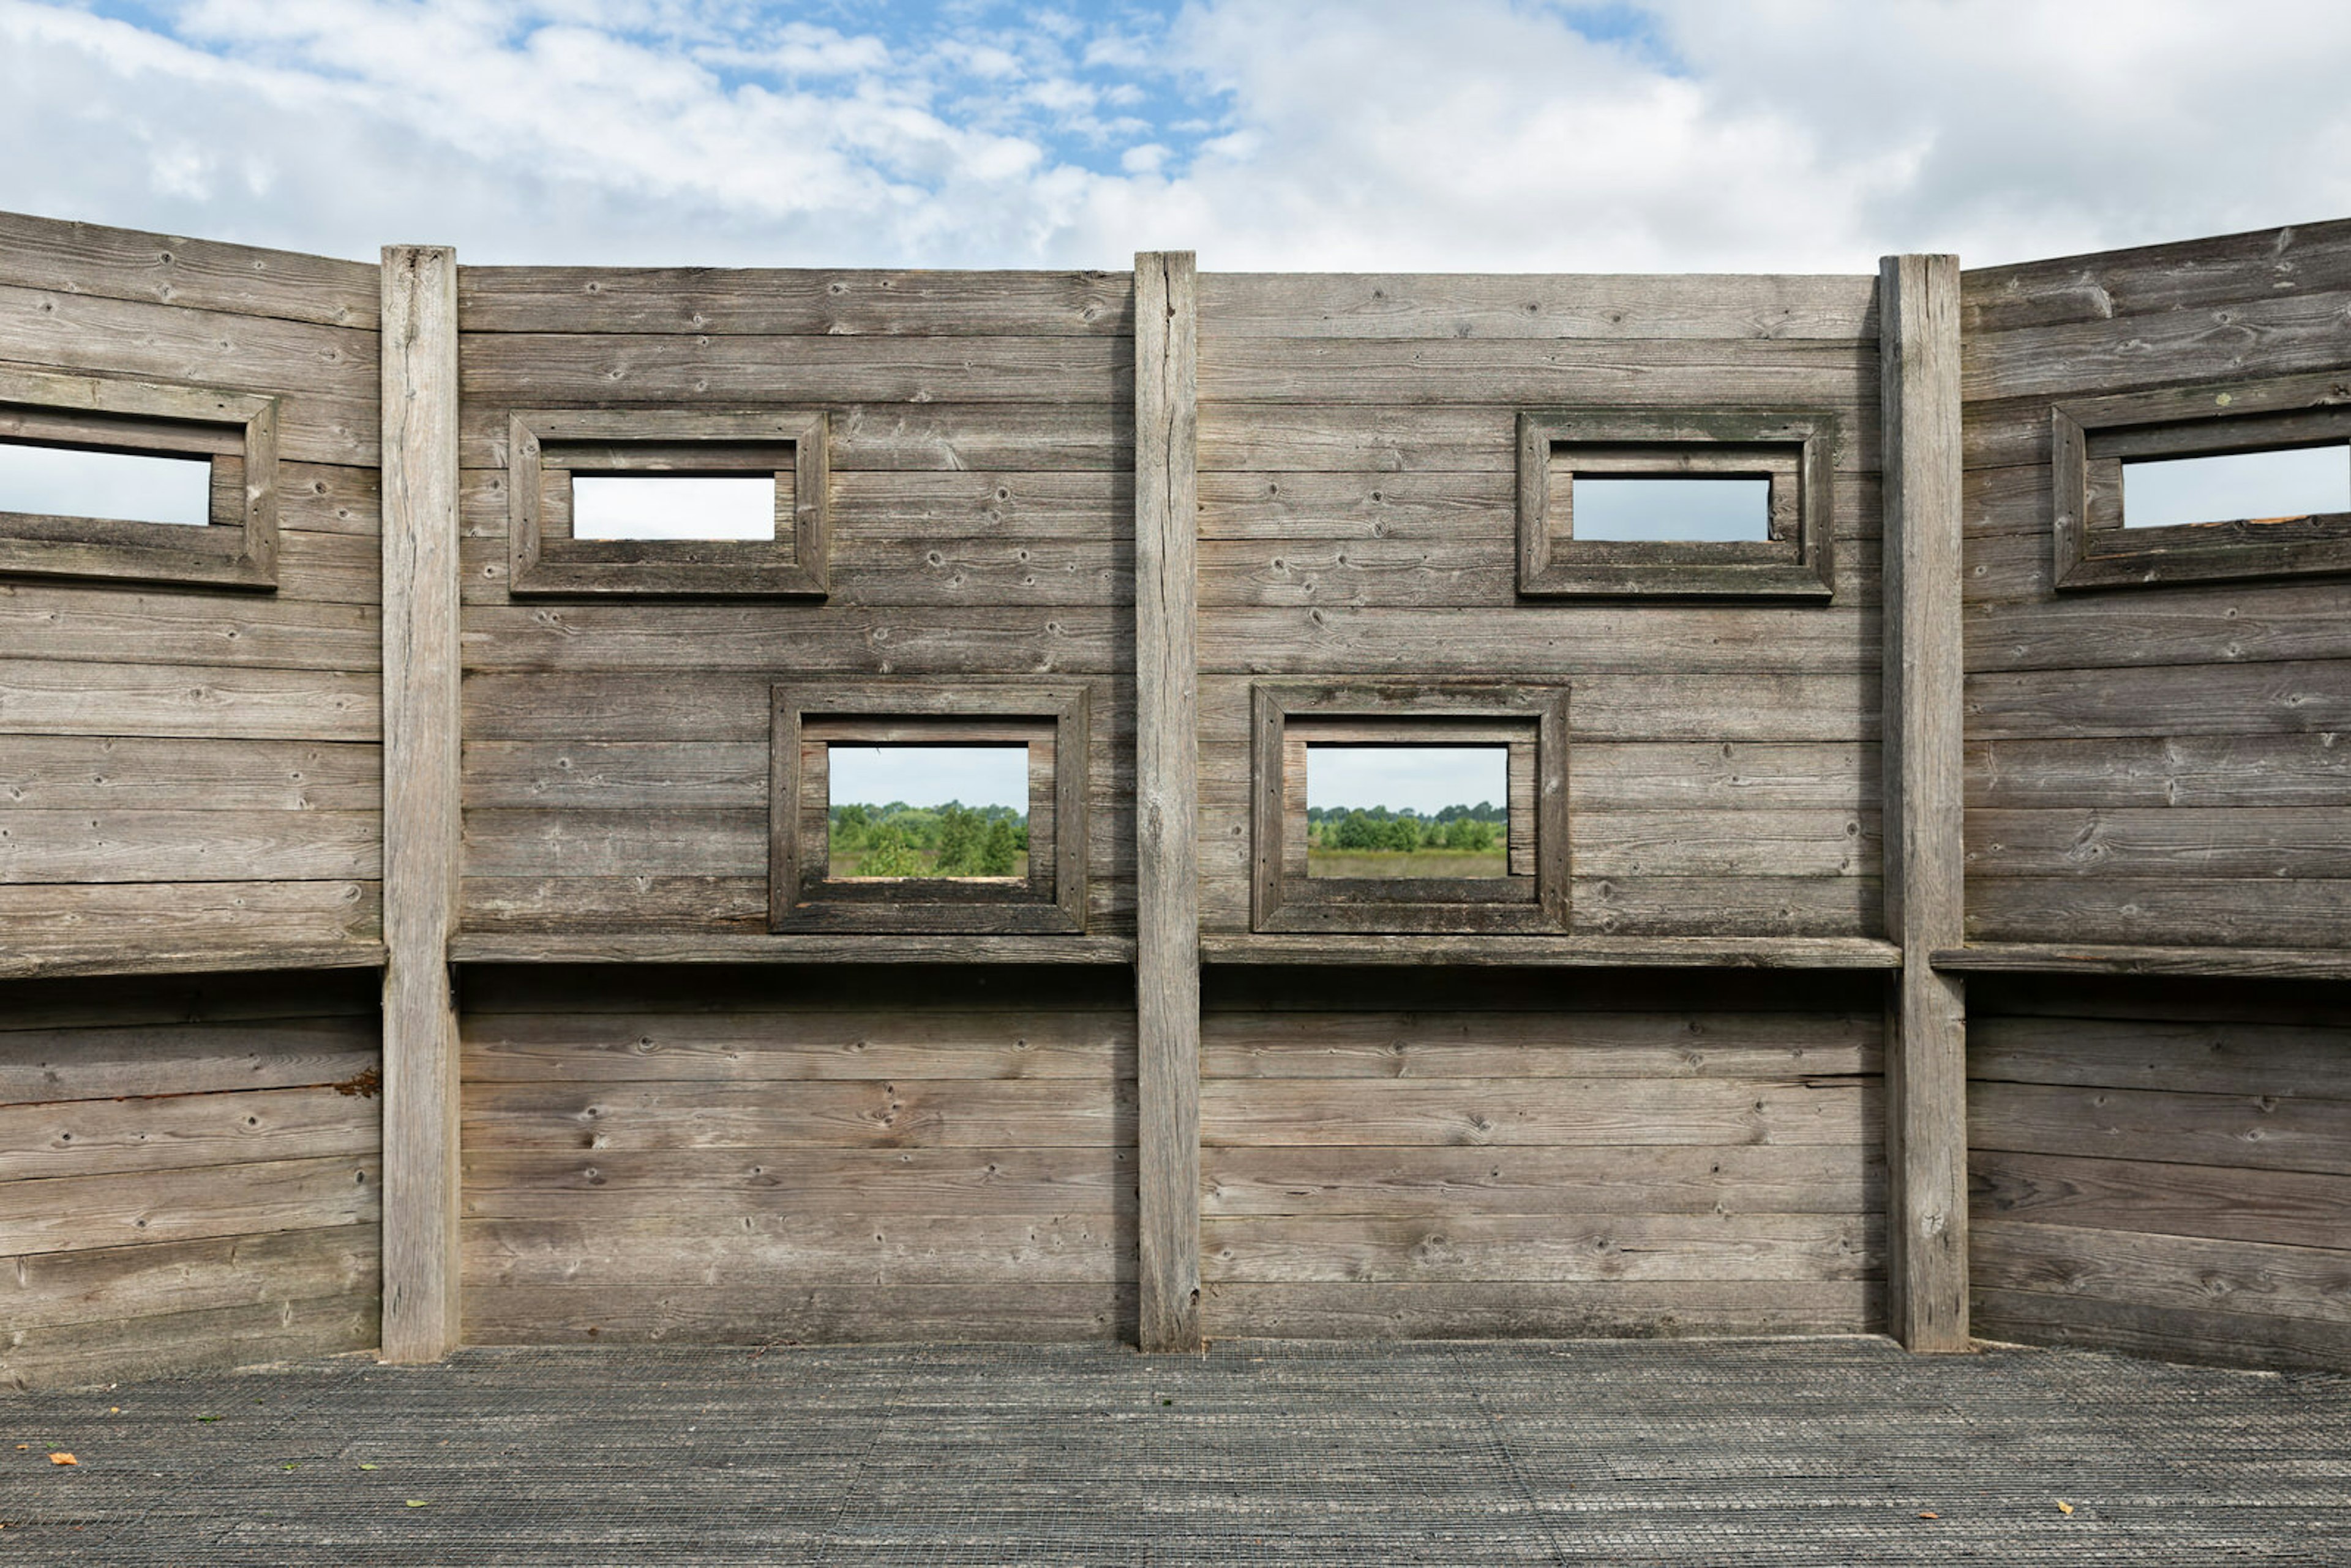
(2281, 485)
(122, 486)
(1671, 509)
(674, 507)
(1407, 810)
(937, 813)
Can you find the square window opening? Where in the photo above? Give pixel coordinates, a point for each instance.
(1430, 809)
(117, 487)
(2279, 486)
(1407, 810)
(956, 813)
(673, 507)
(920, 809)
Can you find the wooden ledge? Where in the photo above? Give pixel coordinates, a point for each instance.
(527, 947)
(2040, 958)
(1573, 952)
(121, 959)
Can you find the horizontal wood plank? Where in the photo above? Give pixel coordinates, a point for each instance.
(2125, 772)
(903, 1113)
(2248, 1130)
(1440, 1181)
(2191, 1272)
(1545, 1249)
(595, 1185)
(2289, 1208)
(160, 270)
(177, 1133)
(43, 696)
(164, 927)
(1587, 305)
(73, 1214)
(106, 773)
(835, 1314)
(704, 301)
(870, 1043)
(1520, 1309)
(782, 1251)
(110, 1061)
(1513, 1048)
(188, 846)
(2189, 1057)
(1553, 1112)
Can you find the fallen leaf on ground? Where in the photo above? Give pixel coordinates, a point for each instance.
(1930, 1516)
(367, 1467)
(2064, 1507)
(63, 1459)
(419, 1503)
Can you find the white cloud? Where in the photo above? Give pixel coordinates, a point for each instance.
(1769, 135)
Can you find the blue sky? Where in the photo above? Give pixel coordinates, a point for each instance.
(1495, 135)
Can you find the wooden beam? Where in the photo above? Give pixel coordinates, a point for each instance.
(1926, 1072)
(1167, 797)
(420, 801)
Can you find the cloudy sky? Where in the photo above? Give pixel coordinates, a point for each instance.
(1470, 135)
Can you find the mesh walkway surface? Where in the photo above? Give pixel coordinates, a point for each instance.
(1731, 1452)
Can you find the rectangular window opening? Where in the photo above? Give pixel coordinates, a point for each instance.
(115, 486)
(2273, 487)
(934, 812)
(1712, 509)
(674, 507)
(1407, 810)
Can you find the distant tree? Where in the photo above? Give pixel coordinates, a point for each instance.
(1468, 833)
(889, 852)
(960, 835)
(1000, 851)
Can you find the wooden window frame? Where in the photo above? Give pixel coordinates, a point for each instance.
(237, 432)
(546, 447)
(2089, 439)
(1285, 717)
(1050, 900)
(1793, 448)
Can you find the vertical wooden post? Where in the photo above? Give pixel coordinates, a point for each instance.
(1167, 797)
(421, 1308)
(1925, 1070)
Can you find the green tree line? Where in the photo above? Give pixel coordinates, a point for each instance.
(953, 839)
(1476, 829)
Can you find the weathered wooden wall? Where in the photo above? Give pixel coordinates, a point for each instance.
(982, 498)
(2162, 1166)
(1358, 450)
(757, 1156)
(188, 1174)
(192, 778)
(2154, 766)
(900, 1136)
(1441, 1154)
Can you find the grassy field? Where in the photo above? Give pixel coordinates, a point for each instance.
(1400, 862)
(840, 864)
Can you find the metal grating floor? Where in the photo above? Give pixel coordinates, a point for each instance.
(1720, 1452)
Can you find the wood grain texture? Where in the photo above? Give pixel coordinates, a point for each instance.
(421, 796)
(2159, 1184)
(1925, 872)
(686, 301)
(1167, 946)
(126, 264)
(1451, 306)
